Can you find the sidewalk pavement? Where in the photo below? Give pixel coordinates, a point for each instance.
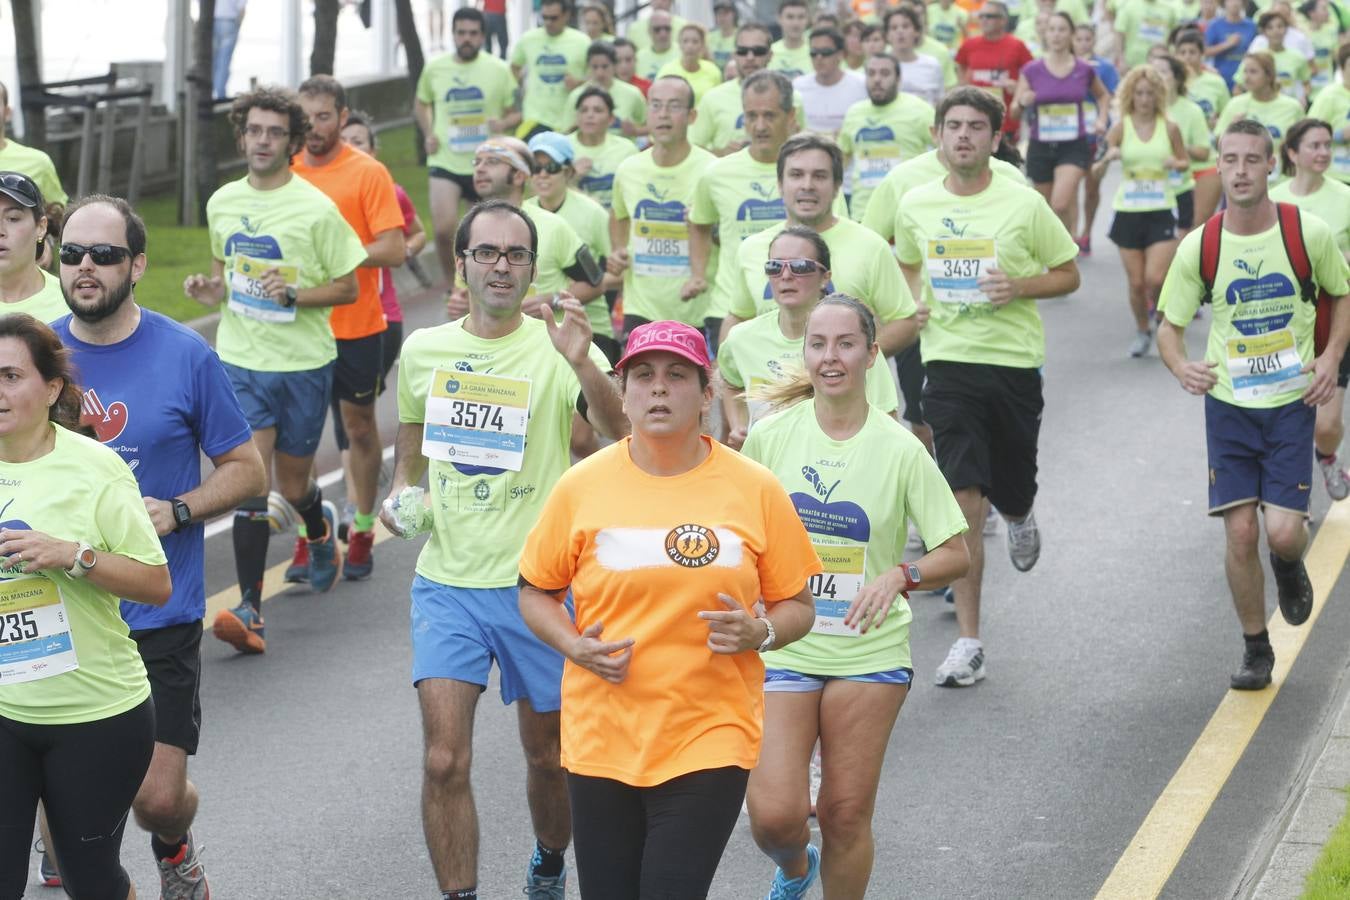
(1319, 810)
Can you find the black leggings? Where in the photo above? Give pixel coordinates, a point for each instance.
(654, 843)
(86, 775)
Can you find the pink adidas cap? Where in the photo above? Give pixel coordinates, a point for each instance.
(673, 337)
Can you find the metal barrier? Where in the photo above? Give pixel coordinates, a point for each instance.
(87, 95)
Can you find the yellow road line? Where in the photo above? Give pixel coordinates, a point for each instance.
(1156, 848)
(273, 582)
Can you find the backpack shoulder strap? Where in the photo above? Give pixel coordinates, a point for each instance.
(1291, 234)
(1210, 237)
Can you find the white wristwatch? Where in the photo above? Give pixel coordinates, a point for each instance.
(768, 638)
(85, 559)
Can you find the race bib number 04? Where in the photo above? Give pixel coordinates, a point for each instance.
(247, 297)
(955, 266)
(476, 419)
(1265, 364)
(35, 641)
(835, 589)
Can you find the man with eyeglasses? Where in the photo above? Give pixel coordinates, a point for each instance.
(649, 226)
(792, 54)
(810, 172)
(982, 250)
(160, 419)
(563, 263)
(552, 61)
(828, 92)
(363, 190)
(720, 125)
(486, 405)
(993, 59)
(462, 98)
(282, 257)
(662, 49)
(630, 106)
(640, 31)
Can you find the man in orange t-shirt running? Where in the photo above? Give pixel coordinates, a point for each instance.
(364, 193)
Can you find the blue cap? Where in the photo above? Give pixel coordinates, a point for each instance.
(555, 145)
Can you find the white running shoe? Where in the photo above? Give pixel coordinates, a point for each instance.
(1335, 476)
(1024, 543)
(1139, 346)
(991, 519)
(964, 664)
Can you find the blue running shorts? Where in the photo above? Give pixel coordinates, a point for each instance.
(294, 403)
(789, 681)
(1263, 455)
(457, 633)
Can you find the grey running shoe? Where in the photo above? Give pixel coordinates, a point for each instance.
(964, 664)
(1257, 664)
(991, 519)
(1294, 588)
(1024, 543)
(1139, 346)
(539, 887)
(1335, 476)
(183, 877)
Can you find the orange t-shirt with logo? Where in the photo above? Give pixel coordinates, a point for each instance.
(363, 190)
(644, 555)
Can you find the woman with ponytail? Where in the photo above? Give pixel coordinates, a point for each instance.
(856, 477)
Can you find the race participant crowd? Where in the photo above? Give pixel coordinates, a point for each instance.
(741, 350)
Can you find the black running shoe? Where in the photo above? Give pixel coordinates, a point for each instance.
(1257, 661)
(1295, 589)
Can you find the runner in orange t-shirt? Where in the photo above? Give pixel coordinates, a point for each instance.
(667, 540)
(364, 193)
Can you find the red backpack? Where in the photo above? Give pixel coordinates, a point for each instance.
(1291, 235)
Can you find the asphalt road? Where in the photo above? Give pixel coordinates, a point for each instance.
(1106, 661)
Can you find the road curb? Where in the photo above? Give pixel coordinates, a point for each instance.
(1320, 807)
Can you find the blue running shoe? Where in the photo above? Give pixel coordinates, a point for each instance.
(50, 876)
(241, 628)
(325, 559)
(784, 888)
(541, 887)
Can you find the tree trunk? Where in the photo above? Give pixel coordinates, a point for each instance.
(412, 47)
(29, 64)
(200, 84)
(325, 37)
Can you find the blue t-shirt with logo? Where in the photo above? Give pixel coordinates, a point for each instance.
(160, 398)
(1218, 31)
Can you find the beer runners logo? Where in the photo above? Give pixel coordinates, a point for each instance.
(692, 546)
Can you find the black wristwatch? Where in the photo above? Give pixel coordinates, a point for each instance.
(182, 516)
(291, 296)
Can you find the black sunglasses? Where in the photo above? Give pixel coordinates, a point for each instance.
(751, 51)
(551, 167)
(799, 267)
(820, 51)
(101, 254)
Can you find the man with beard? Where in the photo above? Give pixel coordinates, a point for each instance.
(290, 256)
(160, 419)
(880, 132)
(531, 377)
(462, 97)
(363, 190)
